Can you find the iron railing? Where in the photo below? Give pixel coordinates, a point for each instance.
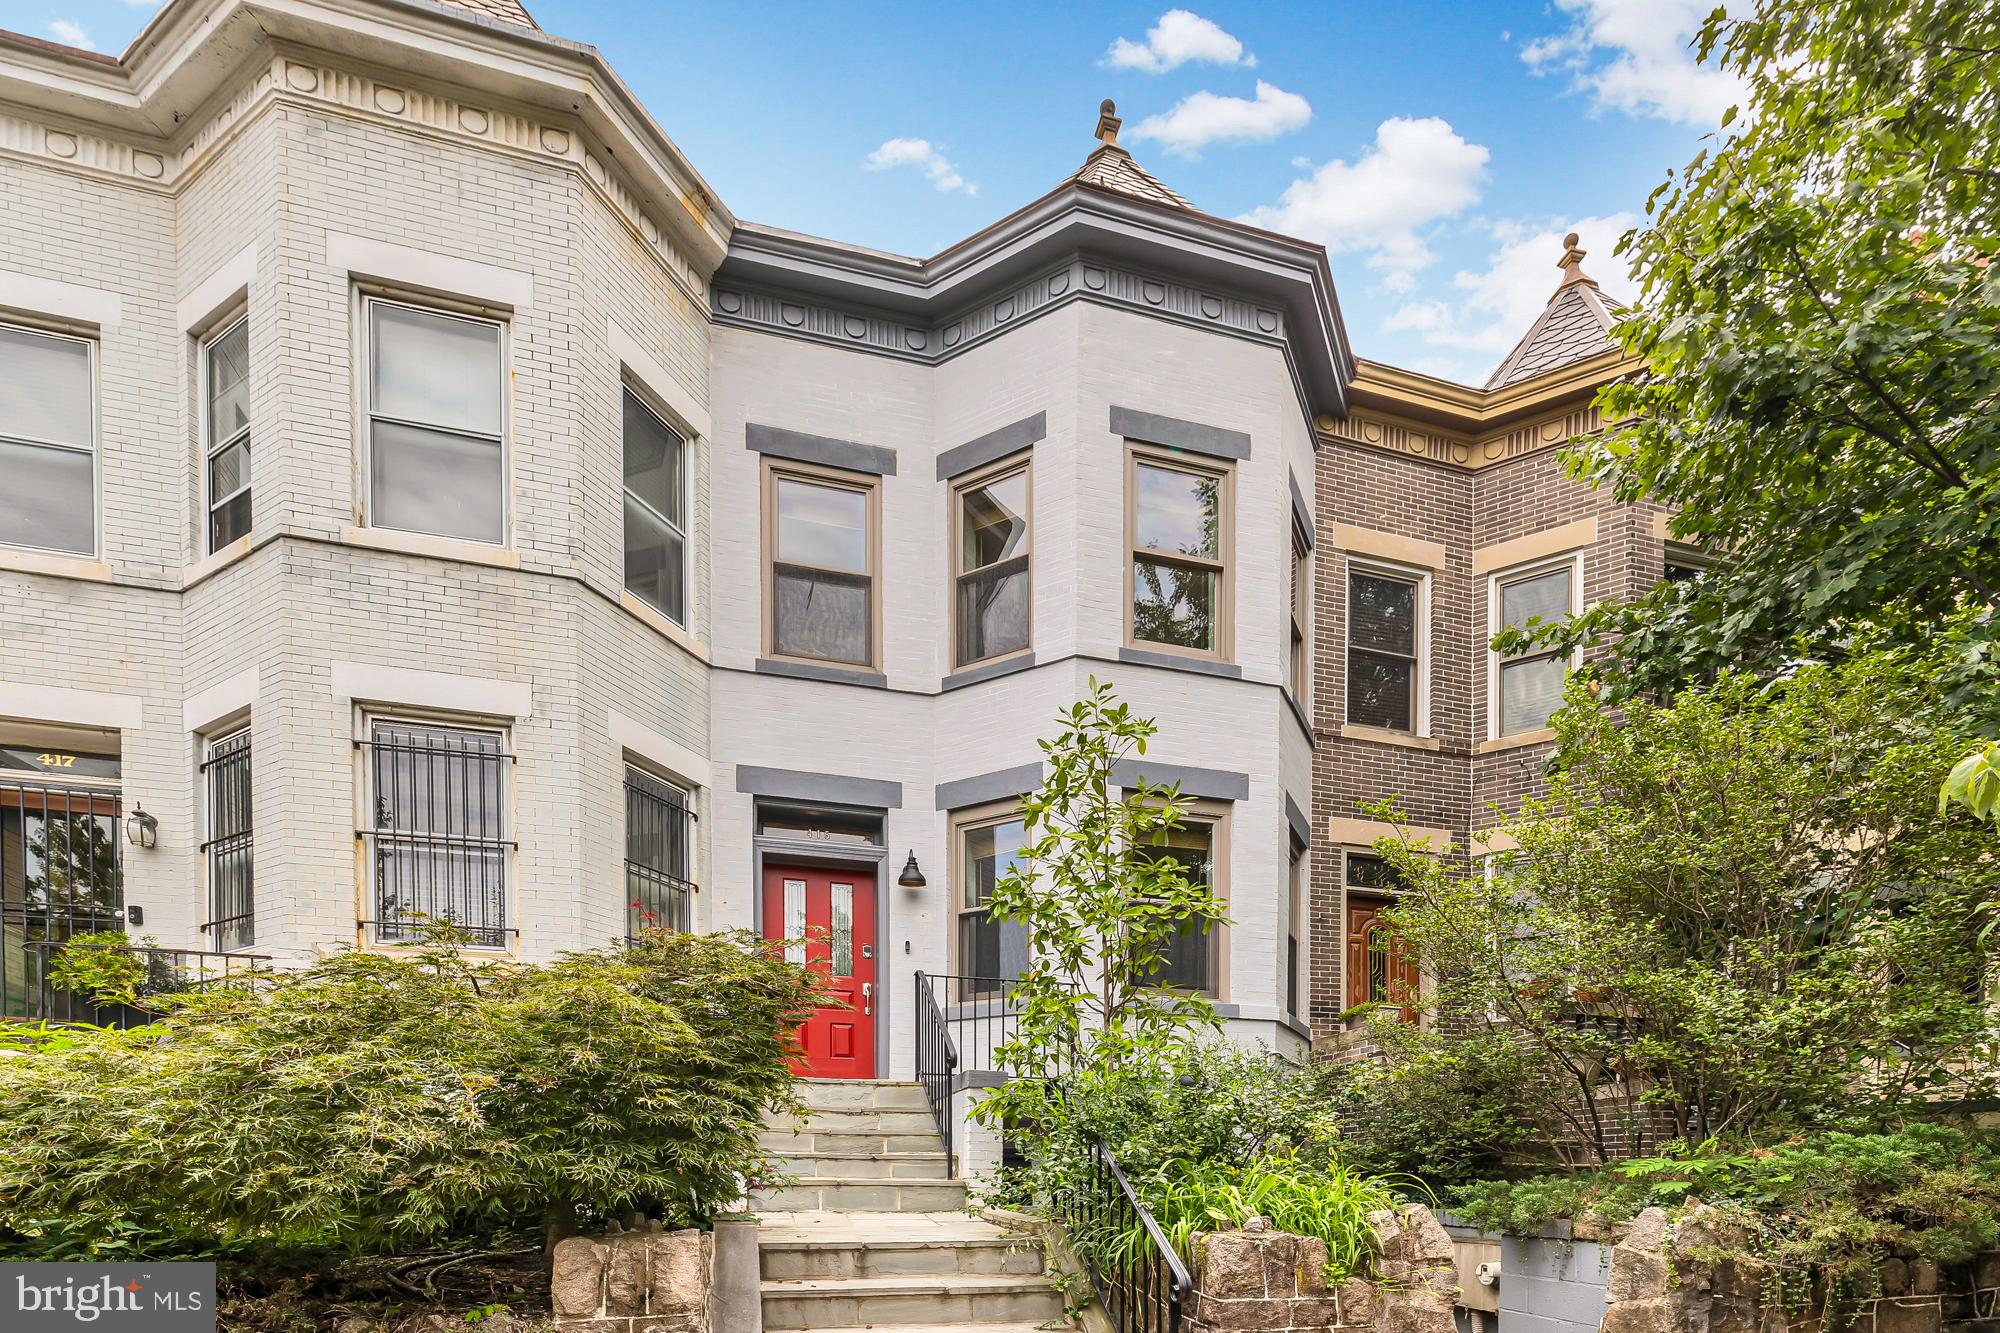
(659, 855)
(439, 846)
(158, 973)
(937, 1067)
(231, 879)
(1138, 1278)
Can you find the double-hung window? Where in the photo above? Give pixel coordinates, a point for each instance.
(1384, 634)
(1528, 686)
(991, 607)
(1300, 662)
(656, 511)
(226, 433)
(1188, 957)
(228, 848)
(439, 835)
(989, 953)
(659, 854)
(1178, 528)
(823, 561)
(48, 442)
(436, 400)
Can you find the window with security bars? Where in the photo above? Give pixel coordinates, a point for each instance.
(439, 841)
(659, 855)
(1382, 664)
(228, 848)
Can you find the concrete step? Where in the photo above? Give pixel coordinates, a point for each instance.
(956, 1301)
(930, 1165)
(790, 1142)
(916, 1121)
(849, 1094)
(845, 1245)
(1008, 1326)
(835, 1195)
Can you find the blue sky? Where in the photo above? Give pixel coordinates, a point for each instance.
(1439, 150)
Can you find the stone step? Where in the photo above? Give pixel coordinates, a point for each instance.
(847, 1094)
(948, 1301)
(831, 1194)
(917, 1121)
(930, 1165)
(1006, 1326)
(789, 1142)
(892, 1257)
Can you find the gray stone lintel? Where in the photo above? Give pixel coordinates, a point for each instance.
(983, 788)
(991, 447)
(972, 675)
(1208, 784)
(1192, 436)
(803, 448)
(1176, 662)
(794, 785)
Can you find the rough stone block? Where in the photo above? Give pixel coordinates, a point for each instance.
(1231, 1266)
(679, 1273)
(1908, 1315)
(1358, 1302)
(625, 1279)
(1895, 1277)
(1636, 1275)
(576, 1282)
(1639, 1316)
(1924, 1277)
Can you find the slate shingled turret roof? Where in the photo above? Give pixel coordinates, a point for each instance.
(1575, 325)
(1113, 168)
(507, 11)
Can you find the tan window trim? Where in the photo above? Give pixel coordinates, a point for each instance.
(1216, 816)
(1300, 662)
(1022, 463)
(866, 483)
(1225, 545)
(964, 822)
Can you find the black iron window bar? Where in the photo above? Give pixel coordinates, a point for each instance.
(659, 854)
(229, 848)
(61, 874)
(438, 850)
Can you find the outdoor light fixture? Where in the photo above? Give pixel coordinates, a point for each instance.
(141, 829)
(912, 877)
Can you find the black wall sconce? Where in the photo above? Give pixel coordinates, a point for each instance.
(912, 877)
(141, 829)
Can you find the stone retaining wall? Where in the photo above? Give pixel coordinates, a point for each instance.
(1262, 1281)
(645, 1281)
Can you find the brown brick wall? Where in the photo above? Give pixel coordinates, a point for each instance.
(1453, 786)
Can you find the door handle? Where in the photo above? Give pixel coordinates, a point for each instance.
(867, 998)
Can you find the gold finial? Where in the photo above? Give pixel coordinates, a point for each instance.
(1108, 122)
(1572, 256)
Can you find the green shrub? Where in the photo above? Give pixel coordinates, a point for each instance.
(376, 1100)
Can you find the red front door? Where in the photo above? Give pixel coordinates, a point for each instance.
(833, 912)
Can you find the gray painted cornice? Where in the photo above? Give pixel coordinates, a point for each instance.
(1076, 243)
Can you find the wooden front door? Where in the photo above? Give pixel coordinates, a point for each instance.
(1379, 969)
(828, 917)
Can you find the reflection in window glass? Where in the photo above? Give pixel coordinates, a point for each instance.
(655, 511)
(47, 442)
(1381, 651)
(992, 851)
(822, 584)
(992, 611)
(1177, 573)
(1186, 963)
(435, 401)
(1530, 684)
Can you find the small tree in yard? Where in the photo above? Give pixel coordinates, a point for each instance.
(1737, 913)
(1101, 900)
(380, 1100)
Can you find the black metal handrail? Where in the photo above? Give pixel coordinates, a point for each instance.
(1140, 1287)
(165, 972)
(937, 1067)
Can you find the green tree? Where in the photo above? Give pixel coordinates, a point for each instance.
(1103, 899)
(1739, 912)
(375, 1100)
(1821, 329)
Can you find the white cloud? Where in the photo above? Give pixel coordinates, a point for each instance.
(1414, 174)
(1178, 38)
(1497, 304)
(1206, 118)
(923, 155)
(70, 34)
(1633, 56)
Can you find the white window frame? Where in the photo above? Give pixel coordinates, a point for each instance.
(367, 925)
(1571, 560)
(1420, 710)
(650, 401)
(209, 448)
(91, 349)
(471, 313)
